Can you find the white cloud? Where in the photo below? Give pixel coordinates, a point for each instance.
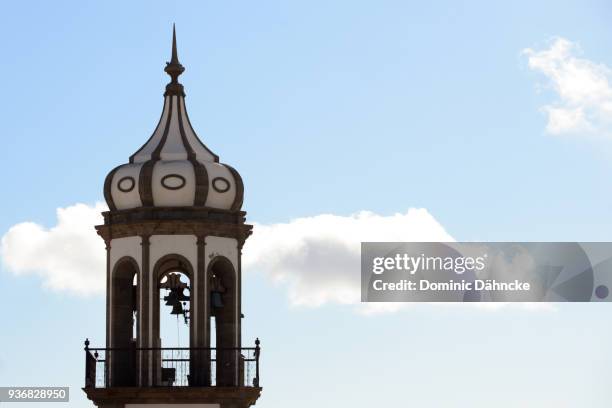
(318, 258)
(69, 256)
(315, 258)
(584, 94)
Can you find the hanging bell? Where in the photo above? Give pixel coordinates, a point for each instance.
(181, 295)
(172, 298)
(177, 309)
(216, 299)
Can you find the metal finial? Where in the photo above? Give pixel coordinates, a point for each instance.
(174, 59)
(174, 69)
(86, 343)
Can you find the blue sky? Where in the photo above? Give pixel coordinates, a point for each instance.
(326, 109)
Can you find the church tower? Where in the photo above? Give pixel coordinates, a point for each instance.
(174, 234)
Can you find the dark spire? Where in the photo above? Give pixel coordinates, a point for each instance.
(174, 69)
(174, 53)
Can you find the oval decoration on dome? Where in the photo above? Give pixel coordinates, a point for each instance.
(220, 184)
(126, 184)
(173, 181)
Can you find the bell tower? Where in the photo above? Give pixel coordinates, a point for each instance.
(174, 234)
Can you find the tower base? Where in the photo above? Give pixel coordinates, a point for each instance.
(173, 397)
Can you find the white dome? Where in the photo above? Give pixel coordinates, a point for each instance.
(174, 168)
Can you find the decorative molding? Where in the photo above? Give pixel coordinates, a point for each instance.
(239, 197)
(146, 171)
(128, 179)
(201, 178)
(156, 155)
(201, 175)
(144, 183)
(108, 196)
(239, 232)
(173, 213)
(223, 188)
(169, 177)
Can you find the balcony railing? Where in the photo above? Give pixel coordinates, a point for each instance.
(171, 367)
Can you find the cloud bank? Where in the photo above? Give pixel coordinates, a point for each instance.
(68, 257)
(584, 95)
(315, 258)
(318, 258)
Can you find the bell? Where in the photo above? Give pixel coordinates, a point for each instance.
(216, 299)
(181, 296)
(177, 309)
(172, 298)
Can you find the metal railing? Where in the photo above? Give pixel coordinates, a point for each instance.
(171, 367)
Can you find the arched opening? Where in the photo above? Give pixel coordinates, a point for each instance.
(172, 328)
(124, 322)
(224, 320)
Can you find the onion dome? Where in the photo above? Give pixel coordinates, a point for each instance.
(174, 168)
